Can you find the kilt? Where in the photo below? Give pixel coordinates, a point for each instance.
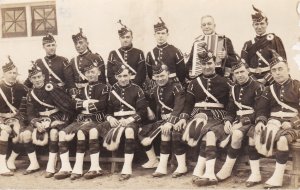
(216, 126)
(291, 134)
(146, 130)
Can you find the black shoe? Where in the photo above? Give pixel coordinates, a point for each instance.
(268, 186)
(158, 174)
(92, 174)
(124, 177)
(177, 174)
(252, 183)
(62, 175)
(48, 175)
(75, 176)
(205, 182)
(30, 171)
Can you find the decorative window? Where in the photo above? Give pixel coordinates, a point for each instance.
(14, 22)
(43, 20)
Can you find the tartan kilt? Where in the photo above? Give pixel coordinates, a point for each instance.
(216, 126)
(290, 134)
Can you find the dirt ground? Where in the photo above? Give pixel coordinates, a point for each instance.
(141, 179)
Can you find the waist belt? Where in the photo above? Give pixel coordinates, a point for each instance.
(172, 75)
(7, 115)
(124, 113)
(165, 116)
(259, 69)
(282, 114)
(81, 85)
(244, 112)
(208, 105)
(48, 113)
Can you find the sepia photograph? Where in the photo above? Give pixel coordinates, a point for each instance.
(149, 94)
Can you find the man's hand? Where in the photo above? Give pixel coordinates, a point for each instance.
(228, 127)
(181, 124)
(286, 125)
(113, 121)
(166, 128)
(126, 122)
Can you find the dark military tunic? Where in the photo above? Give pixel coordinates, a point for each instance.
(216, 85)
(169, 55)
(246, 94)
(228, 61)
(73, 77)
(288, 93)
(133, 95)
(262, 44)
(94, 113)
(134, 58)
(57, 64)
(16, 96)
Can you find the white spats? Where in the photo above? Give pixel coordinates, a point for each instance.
(226, 169)
(95, 162)
(181, 168)
(255, 172)
(199, 168)
(65, 162)
(3, 167)
(78, 167)
(127, 167)
(277, 177)
(51, 162)
(210, 170)
(11, 160)
(163, 162)
(33, 161)
(152, 160)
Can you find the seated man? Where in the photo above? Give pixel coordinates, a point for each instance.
(169, 96)
(91, 102)
(277, 121)
(49, 110)
(240, 114)
(127, 108)
(206, 98)
(12, 117)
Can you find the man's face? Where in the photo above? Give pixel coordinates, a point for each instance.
(126, 40)
(11, 76)
(260, 27)
(123, 78)
(37, 80)
(208, 25)
(208, 68)
(81, 45)
(161, 78)
(280, 72)
(92, 74)
(161, 36)
(50, 48)
(241, 75)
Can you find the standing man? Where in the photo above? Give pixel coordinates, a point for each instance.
(256, 51)
(132, 57)
(75, 78)
(278, 120)
(91, 103)
(49, 109)
(226, 54)
(12, 117)
(127, 108)
(169, 96)
(166, 53)
(240, 114)
(52, 65)
(206, 98)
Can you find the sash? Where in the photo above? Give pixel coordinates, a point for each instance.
(152, 54)
(281, 103)
(124, 62)
(39, 101)
(51, 72)
(122, 101)
(163, 104)
(238, 104)
(11, 107)
(86, 93)
(206, 92)
(77, 69)
(260, 44)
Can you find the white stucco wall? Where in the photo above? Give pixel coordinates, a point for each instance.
(98, 18)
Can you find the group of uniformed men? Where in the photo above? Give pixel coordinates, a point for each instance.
(248, 97)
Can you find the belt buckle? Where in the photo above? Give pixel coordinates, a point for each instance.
(258, 70)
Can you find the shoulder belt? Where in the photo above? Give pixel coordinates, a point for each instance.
(122, 101)
(39, 101)
(77, 69)
(206, 92)
(163, 104)
(238, 104)
(51, 71)
(281, 103)
(124, 62)
(11, 107)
